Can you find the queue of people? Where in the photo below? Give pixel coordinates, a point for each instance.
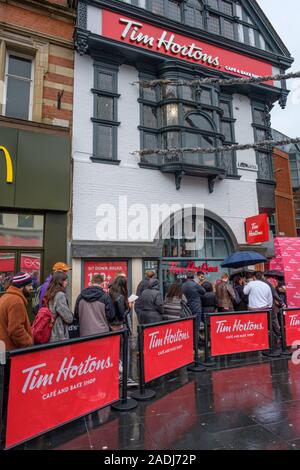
(98, 311)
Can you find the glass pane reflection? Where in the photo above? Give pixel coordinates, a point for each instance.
(11, 234)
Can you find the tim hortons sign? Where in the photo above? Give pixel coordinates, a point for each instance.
(158, 40)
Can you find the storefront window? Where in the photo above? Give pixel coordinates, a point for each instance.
(185, 254)
(22, 230)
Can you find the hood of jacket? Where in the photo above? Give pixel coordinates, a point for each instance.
(92, 294)
(15, 291)
(153, 284)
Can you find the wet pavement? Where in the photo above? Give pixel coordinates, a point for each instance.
(253, 406)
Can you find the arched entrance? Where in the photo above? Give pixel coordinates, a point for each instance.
(204, 253)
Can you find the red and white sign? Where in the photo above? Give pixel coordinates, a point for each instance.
(167, 348)
(292, 326)
(108, 269)
(158, 40)
(257, 229)
(236, 333)
(287, 250)
(51, 387)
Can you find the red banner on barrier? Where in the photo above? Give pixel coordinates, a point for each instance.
(167, 348)
(236, 333)
(292, 326)
(51, 387)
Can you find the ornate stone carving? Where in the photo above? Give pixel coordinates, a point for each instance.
(82, 15)
(81, 43)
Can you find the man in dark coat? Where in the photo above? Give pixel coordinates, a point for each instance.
(193, 292)
(151, 303)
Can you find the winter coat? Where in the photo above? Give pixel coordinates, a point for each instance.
(243, 305)
(140, 288)
(63, 317)
(152, 307)
(15, 328)
(209, 302)
(194, 292)
(173, 307)
(225, 295)
(95, 310)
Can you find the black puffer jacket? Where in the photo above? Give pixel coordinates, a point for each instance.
(151, 304)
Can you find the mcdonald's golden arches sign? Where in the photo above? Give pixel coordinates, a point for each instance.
(9, 166)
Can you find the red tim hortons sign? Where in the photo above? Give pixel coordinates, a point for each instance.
(236, 333)
(155, 39)
(167, 347)
(292, 326)
(50, 387)
(257, 229)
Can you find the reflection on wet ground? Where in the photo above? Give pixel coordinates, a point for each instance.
(252, 406)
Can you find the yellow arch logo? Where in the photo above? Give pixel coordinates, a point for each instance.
(9, 166)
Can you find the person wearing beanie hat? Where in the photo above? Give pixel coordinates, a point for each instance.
(15, 329)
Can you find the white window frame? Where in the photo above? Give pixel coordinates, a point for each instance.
(23, 56)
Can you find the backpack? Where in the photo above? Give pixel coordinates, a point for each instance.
(42, 326)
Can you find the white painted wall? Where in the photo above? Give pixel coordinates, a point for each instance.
(96, 183)
(244, 133)
(94, 19)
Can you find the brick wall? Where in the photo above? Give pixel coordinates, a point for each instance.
(48, 29)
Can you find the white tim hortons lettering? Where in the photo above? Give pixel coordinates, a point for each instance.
(90, 365)
(155, 342)
(221, 326)
(35, 379)
(294, 320)
(130, 24)
(140, 37)
(171, 337)
(248, 326)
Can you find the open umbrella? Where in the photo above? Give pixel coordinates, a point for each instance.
(243, 258)
(275, 273)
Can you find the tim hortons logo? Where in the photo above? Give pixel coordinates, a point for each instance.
(238, 326)
(294, 320)
(165, 43)
(254, 230)
(170, 337)
(35, 379)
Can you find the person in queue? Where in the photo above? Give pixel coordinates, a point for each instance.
(173, 302)
(225, 294)
(200, 277)
(239, 283)
(57, 267)
(94, 308)
(209, 299)
(151, 303)
(15, 329)
(118, 292)
(149, 274)
(55, 298)
(194, 293)
(259, 293)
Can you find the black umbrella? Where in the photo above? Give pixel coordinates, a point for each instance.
(274, 273)
(243, 258)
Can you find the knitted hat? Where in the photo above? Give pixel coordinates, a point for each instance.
(21, 280)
